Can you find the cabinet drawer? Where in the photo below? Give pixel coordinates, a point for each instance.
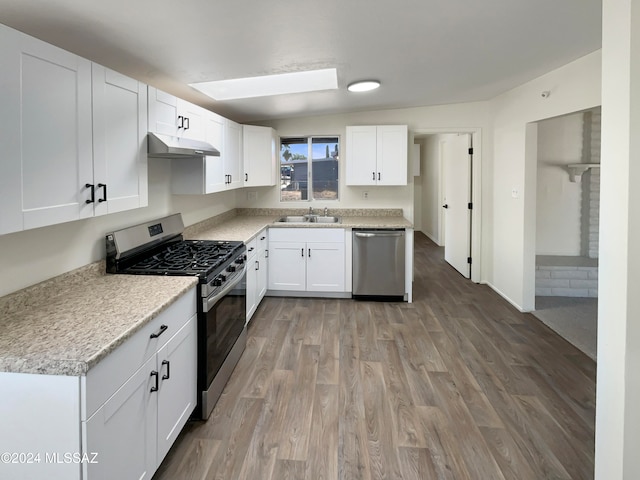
(106, 377)
(306, 235)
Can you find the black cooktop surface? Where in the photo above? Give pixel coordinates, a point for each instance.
(186, 257)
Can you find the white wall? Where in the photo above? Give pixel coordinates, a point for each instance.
(430, 184)
(443, 118)
(618, 388)
(559, 201)
(35, 255)
(573, 87)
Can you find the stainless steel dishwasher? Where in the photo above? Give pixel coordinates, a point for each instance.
(378, 263)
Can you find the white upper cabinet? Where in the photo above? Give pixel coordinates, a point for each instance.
(48, 173)
(163, 112)
(259, 154)
(232, 154)
(119, 142)
(377, 155)
(211, 174)
(45, 133)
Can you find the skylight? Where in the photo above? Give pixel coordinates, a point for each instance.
(280, 84)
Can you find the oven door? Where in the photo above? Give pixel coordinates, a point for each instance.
(222, 338)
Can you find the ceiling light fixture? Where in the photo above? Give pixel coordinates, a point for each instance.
(363, 86)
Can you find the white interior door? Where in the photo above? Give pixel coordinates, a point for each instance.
(457, 196)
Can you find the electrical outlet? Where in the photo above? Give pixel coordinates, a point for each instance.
(252, 196)
(365, 195)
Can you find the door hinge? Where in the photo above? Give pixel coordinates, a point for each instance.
(470, 205)
(470, 150)
(469, 260)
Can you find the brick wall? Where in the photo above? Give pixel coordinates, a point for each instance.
(563, 281)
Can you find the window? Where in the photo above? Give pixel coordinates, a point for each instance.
(297, 172)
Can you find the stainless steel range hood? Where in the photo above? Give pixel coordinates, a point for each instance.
(165, 146)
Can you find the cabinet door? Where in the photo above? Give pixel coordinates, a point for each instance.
(214, 166)
(178, 390)
(325, 267)
(119, 141)
(252, 285)
(232, 155)
(361, 153)
(191, 120)
(259, 156)
(123, 431)
(392, 154)
(287, 266)
(45, 133)
(163, 112)
(262, 275)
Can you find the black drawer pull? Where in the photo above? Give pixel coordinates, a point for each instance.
(155, 388)
(168, 375)
(262, 238)
(160, 332)
(257, 265)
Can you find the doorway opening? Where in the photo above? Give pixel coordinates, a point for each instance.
(432, 208)
(567, 226)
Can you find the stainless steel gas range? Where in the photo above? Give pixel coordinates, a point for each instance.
(158, 248)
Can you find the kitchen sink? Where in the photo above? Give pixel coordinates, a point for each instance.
(327, 220)
(293, 219)
(308, 219)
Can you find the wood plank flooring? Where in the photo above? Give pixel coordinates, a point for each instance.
(457, 385)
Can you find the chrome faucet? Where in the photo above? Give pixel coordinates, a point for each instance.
(325, 211)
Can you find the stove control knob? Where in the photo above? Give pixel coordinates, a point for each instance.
(240, 260)
(231, 268)
(222, 278)
(217, 282)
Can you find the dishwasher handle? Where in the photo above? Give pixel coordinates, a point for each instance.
(378, 234)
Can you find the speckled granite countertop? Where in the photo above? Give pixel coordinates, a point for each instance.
(66, 325)
(247, 223)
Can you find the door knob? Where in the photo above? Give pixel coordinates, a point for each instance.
(446, 205)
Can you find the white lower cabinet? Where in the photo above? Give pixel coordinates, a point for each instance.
(134, 429)
(307, 260)
(257, 271)
(123, 431)
(119, 420)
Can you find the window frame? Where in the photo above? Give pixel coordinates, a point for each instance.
(309, 160)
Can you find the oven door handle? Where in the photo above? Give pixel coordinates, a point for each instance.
(211, 301)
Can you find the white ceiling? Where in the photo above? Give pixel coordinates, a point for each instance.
(425, 52)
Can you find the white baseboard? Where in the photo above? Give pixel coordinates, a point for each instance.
(506, 297)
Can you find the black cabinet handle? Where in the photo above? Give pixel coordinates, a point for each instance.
(309, 251)
(154, 388)
(163, 328)
(257, 265)
(246, 177)
(104, 192)
(93, 193)
(180, 121)
(186, 123)
(374, 176)
(302, 252)
(262, 238)
(168, 375)
(378, 175)
(266, 254)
